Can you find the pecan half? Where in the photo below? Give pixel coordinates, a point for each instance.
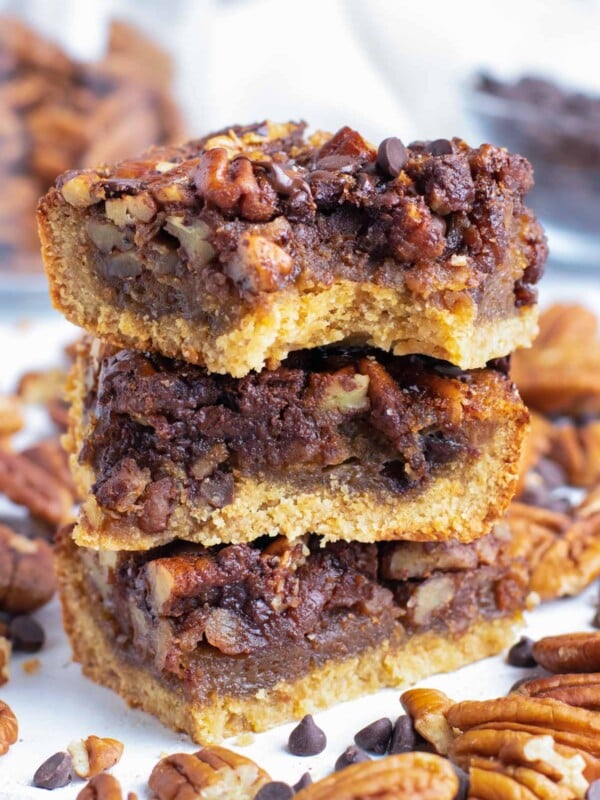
(9, 728)
(428, 708)
(94, 755)
(571, 652)
(408, 776)
(211, 773)
(27, 484)
(51, 456)
(42, 386)
(26, 572)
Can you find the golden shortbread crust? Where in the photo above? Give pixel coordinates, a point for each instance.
(223, 715)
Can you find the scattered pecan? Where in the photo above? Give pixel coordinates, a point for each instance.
(408, 776)
(11, 418)
(27, 484)
(41, 386)
(428, 708)
(101, 787)
(9, 728)
(561, 550)
(579, 689)
(212, 772)
(576, 447)
(26, 572)
(560, 374)
(259, 265)
(94, 755)
(571, 652)
(5, 652)
(51, 456)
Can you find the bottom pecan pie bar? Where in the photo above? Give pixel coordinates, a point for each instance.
(351, 444)
(215, 641)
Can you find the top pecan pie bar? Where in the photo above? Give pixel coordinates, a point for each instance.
(233, 250)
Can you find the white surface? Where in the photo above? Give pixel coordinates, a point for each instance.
(57, 704)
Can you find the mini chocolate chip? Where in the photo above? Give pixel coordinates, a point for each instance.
(463, 783)
(403, 736)
(54, 773)
(307, 739)
(351, 755)
(276, 790)
(593, 792)
(305, 780)
(521, 653)
(596, 620)
(392, 156)
(551, 473)
(440, 147)
(26, 634)
(374, 738)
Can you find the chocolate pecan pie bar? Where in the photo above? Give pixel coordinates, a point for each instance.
(243, 637)
(347, 443)
(234, 250)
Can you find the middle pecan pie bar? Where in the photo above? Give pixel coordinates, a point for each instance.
(214, 641)
(349, 444)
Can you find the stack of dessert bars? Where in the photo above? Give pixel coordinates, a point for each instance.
(292, 420)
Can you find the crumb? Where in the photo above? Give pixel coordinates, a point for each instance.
(31, 666)
(245, 739)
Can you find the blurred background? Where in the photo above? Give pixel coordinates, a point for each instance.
(86, 82)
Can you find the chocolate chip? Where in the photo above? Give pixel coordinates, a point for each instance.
(54, 773)
(305, 780)
(26, 634)
(307, 739)
(463, 783)
(276, 790)
(521, 653)
(374, 738)
(351, 755)
(596, 620)
(392, 156)
(439, 147)
(403, 736)
(593, 792)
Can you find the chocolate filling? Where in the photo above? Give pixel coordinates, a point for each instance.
(272, 610)
(152, 418)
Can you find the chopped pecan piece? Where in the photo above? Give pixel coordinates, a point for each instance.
(428, 708)
(94, 755)
(102, 787)
(9, 729)
(11, 418)
(5, 653)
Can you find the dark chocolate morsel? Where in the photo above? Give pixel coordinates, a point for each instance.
(307, 739)
(26, 634)
(521, 653)
(392, 156)
(351, 755)
(276, 790)
(374, 738)
(593, 792)
(463, 783)
(440, 147)
(55, 772)
(403, 736)
(304, 781)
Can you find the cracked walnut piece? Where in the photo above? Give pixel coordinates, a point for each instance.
(209, 774)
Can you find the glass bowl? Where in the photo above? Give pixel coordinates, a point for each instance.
(558, 130)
